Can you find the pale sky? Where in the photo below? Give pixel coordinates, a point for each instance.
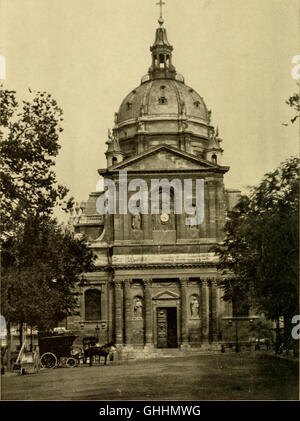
(89, 54)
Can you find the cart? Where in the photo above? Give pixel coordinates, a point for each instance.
(28, 362)
(57, 350)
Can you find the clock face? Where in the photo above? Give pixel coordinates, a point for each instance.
(164, 217)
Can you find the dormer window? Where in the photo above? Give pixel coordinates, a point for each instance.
(129, 106)
(162, 100)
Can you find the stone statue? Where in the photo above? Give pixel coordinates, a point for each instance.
(142, 110)
(116, 119)
(136, 222)
(138, 308)
(194, 307)
(209, 116)
(141, 126)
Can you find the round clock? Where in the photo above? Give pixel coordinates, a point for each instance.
(164, 217)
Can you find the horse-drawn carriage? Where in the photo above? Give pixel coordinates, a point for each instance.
(92, 350)
(58, 350)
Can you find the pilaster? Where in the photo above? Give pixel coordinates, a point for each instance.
(148, 312)
(118, 312)
(183, 312)
(128, 311)
(205, 309)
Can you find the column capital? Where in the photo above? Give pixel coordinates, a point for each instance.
(183, 281)
(127, 281)
(118, 284)
(204, 281)
(210, 181)
(147, 282)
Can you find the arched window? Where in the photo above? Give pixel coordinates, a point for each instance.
(214, 158)
(92, 301)
(114, 160)
(162, 100)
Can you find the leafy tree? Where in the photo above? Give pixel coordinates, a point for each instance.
(259, 256)
(29, 143)
(294, 103)
(39, 282)
(41, 261)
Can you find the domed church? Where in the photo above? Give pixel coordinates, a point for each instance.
(155, 283)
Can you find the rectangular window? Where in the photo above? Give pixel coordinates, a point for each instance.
(92, 300)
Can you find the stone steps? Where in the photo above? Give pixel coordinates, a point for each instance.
(153, 353)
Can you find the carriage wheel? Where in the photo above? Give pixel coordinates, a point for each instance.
(48, 360)
(72, 362)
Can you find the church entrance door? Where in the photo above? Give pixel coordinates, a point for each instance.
(167, 327)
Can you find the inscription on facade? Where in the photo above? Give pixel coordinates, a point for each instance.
(165, 258)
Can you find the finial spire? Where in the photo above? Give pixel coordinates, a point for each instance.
(161, 19)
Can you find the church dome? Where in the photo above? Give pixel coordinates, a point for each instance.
(162, 110)
(162, 97)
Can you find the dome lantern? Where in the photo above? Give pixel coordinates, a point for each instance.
(162, 67)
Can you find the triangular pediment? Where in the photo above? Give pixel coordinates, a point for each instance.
(163, 157)
(166, 295)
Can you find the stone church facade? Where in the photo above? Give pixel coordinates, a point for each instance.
(155, 284)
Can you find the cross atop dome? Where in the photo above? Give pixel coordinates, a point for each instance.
(161, 19)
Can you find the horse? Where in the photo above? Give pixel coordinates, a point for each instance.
(102, 351)
(89, 341)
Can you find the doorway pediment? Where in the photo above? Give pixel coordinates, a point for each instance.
(166, 295)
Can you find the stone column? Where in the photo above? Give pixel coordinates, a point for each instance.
(183, 312)
(205, 309)
(148, 312)
(118, 313)
(128, 312)
(214, 321)
(109, 312)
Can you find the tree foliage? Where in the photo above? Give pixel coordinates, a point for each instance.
(259, 256)
(42, 266)
(294, 103)
(29, 143)
(42, 262)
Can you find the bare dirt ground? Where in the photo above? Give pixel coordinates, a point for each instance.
(244, 376)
